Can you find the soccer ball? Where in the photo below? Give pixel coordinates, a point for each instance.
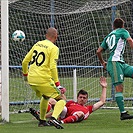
(18, 36)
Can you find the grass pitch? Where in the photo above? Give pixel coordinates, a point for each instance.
(101, 121)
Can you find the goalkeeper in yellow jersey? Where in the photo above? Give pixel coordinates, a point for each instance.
(42, 76)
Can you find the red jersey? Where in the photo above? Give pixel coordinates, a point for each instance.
(73, 107)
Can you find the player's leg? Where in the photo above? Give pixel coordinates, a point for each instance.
(36, 113)
(116, 70)
(43, 106)
(51, 105)
(58, 108)
(128, 71)
(31, 110)
(43, 110)
(119, 97)
(116, 73)
(76, 117)
(53, 92)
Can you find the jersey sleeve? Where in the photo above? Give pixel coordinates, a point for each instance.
(126, 34)
(26, 61)
(104, 44)
(53, 63)
(90, 107)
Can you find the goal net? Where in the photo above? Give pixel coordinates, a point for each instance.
(82, 25)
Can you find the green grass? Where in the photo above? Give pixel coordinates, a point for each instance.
(101, 121)
(20, 91)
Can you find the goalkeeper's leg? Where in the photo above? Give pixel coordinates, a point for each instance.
(59, 106)
(43, 110)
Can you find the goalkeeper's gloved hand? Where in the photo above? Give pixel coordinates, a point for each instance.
(61, 88)
(25, 77)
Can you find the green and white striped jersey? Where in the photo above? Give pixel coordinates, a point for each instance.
(116, 42)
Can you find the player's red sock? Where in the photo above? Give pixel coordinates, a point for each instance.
(71, 119)
(49, 107)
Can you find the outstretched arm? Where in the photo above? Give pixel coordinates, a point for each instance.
(102, 101)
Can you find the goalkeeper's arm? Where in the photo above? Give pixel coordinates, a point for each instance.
(56, 80)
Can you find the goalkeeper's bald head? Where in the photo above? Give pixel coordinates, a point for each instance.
(51, 34)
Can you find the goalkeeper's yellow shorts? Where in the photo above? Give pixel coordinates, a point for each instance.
(48, 90)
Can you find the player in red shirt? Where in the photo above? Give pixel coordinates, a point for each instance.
(78, 111)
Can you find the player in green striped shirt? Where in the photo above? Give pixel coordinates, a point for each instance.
(115, 42)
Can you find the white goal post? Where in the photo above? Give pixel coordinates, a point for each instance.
(4, 61)
(82, 25)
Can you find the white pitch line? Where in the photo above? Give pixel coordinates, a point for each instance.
(23, 121)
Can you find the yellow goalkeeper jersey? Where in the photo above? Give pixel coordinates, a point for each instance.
(42, 61)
